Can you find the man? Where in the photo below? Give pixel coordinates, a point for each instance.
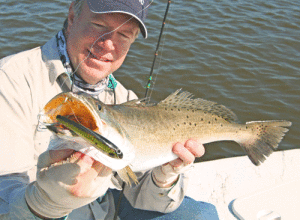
(64, 184)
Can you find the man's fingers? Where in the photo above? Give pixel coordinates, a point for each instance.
(183, 153)
(84, 161)
(187, 152)
(195, 148)
(90, 168)
(176, 163)
(91, 180)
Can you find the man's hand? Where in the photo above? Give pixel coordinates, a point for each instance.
(66, 180)
(164, 176)
(187, 153)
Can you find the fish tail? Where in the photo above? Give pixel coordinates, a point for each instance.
(265, 139)
(128, 176)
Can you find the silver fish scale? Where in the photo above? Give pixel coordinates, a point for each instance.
(152, 129)
(184, 100)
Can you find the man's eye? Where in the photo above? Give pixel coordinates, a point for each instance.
(99, 25)
(124, 35)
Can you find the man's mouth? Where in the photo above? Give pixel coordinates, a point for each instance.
(100, 58)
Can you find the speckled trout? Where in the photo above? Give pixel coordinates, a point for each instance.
(145, 133)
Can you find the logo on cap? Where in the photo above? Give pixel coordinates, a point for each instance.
(142, 2)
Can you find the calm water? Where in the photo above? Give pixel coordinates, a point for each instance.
(242, 54)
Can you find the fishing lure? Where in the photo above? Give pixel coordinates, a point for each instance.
(97, 140)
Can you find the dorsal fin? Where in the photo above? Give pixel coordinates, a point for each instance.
(184, 100)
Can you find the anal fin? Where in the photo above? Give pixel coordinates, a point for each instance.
(128, 176)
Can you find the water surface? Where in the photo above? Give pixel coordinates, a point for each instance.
(242, 54)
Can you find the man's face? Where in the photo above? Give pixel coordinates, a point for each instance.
(94, 47)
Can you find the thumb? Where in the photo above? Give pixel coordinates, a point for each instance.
(52, 156)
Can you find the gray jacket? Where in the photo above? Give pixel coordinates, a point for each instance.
(28, 81)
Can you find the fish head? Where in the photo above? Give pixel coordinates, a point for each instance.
(93, 114)
(73, 106)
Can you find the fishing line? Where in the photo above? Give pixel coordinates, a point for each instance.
(155, 55)
(160, 59)
(100, 37)
(72, 83)
(75, 114)
(156, 74)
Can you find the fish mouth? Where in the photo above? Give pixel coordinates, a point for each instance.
(76, 109)
(70, 116)
(84, 110)
(60, 130)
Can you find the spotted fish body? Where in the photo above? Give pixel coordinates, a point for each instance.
(152, 129)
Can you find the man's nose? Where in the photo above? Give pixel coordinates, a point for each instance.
(107, 42)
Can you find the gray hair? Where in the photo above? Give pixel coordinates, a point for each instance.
(77, 10)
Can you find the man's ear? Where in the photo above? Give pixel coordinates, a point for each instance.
(71, 16)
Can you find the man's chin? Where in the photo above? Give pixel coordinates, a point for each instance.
(92, 76)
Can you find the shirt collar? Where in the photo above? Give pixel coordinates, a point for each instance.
(63, 55)
(78, 83)
(51, 59)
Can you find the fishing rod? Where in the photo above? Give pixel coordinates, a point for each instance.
(156, 52)
(146, 94)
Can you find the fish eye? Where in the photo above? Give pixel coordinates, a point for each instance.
(99, 107)
(120, 154)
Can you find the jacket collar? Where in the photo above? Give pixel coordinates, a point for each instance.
(52, 60)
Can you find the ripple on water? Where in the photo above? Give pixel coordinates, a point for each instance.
(243, 54)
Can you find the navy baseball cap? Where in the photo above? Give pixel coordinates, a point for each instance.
(135, 8)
